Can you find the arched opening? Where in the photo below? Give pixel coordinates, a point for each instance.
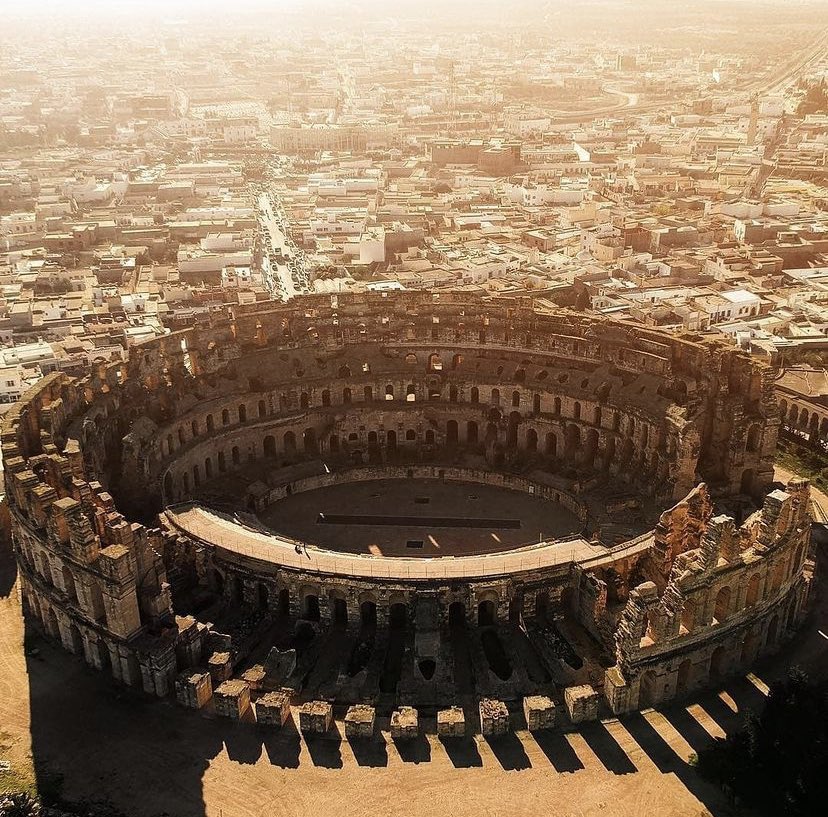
(391, 440)
(208, 468)
(194, 428)
(310, 608)
(304, 400)
(512, 429)
(718, 664)
(284, 602)
(576, 411)
(242, 413)
(410, 435)
(532, 440)
(397, 616)
(185, 482)
(333, 444)
(235, 456)
(181, 438)
(270, 446)
(168, 487)
(346, 395)
(485, 613)
(222, 462)
(429, 436)
(749, 648)
(452, 394)
(389, 391)
(309, 442)
(722, 606)
(411, 359)
(289, 442)
(196, 476)
(472, 432)
(556, 408)
(368, 614)
(773, 632)
(754, 438)
(263, 596)
(76, 639)
(368, 394)
(456, 361)
(344, 371)
(746, 486)
(572, 442)
(457, 614)
(647, 696)
(536, 404)
(340, 613)
(475, 394)
(752, 595)
(515, 610)
(262, 408)
(210, 424)
(435, 362)
(684, 677)
(225, 417)
(451, 432)
(69, 584)
(495, 400)
(515, 399)
(551, 444)
(410, 393)
(541, 605)
(326, 397)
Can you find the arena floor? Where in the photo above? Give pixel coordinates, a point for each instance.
(418, 517)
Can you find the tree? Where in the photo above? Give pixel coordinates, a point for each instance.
(776, 764)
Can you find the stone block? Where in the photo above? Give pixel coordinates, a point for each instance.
(451, 723)
(315, 717)
(359, 721)
(539, 712)
(254, 677)
(581, 703)
(405, 723)
(232, 699)
(273, 709)
(194, 688)
(494, 717)
(220, 666)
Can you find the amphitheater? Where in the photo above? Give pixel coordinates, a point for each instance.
(410, 500)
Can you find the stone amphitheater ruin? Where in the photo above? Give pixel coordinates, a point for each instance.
(412, 501)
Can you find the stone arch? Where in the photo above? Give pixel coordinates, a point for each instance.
(474, 395)
(721, 608)
(648, 693)
(270, 446)
(263, 408)
(551, 444)
(346, 395)
(515, 399)
(536, 404)
(486, 613)
(398, 615)
(532, 440)
(326, 397)
(368, 394)
(753, 588)
(309, 442)
(368, 613)
(495, 397)
(304, 400)
(472, 432)
(684, 677)
(457, 614)
(289, 442)
(718, 664)
(754, 438)
(242, 413)
(69, 584)
(772, 632)
(451, 432)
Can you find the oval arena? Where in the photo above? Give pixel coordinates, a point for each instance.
(410, 499)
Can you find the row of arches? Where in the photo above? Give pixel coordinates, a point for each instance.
(533, 403)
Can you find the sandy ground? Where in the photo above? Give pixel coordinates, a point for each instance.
(150, 758)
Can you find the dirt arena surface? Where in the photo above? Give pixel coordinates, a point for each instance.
(530, 519)
(149, 758)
